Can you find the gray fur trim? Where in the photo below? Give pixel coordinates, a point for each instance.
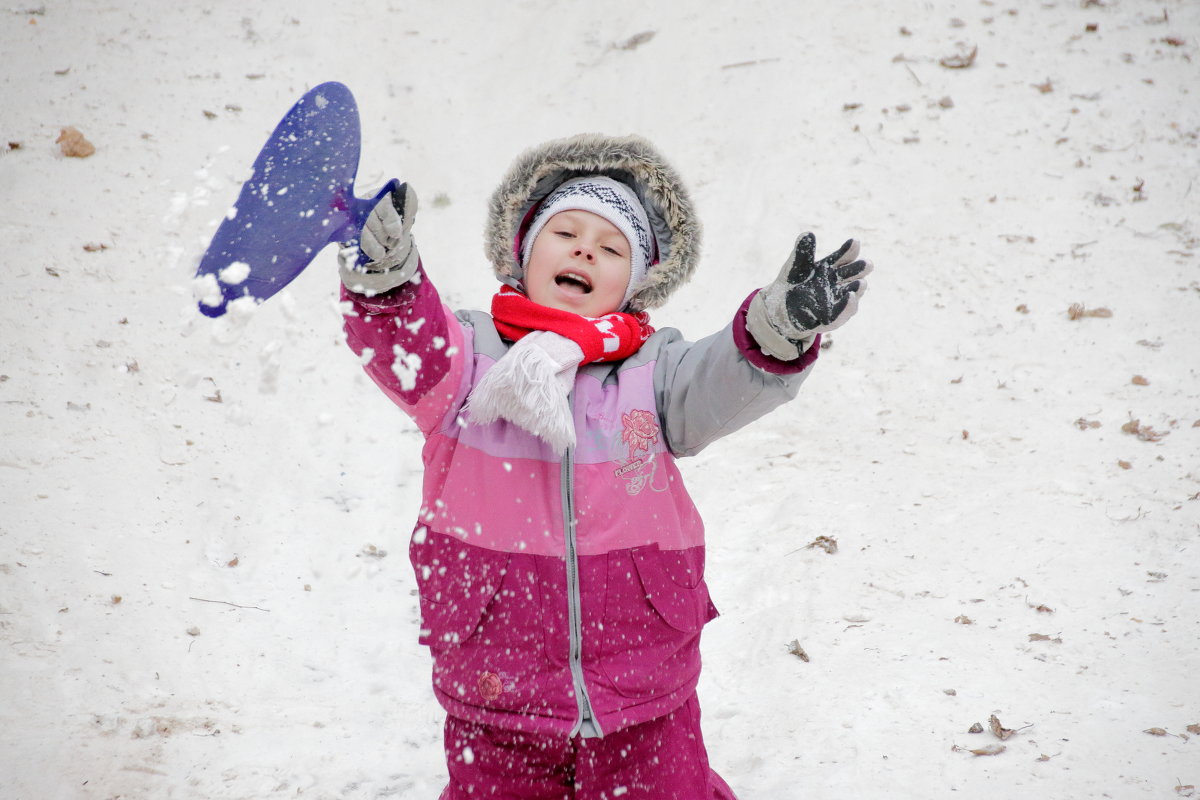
(629, 159)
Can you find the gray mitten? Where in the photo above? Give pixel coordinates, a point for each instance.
(808, 297)
(386, 256)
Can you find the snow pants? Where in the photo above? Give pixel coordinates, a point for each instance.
(663, 759)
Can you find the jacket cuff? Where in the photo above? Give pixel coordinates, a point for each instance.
(753, 353)
(402, 295)
(371, 280)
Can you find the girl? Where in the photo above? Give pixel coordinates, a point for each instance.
(559, 559)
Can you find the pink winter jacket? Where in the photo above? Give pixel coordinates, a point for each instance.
(562, 594)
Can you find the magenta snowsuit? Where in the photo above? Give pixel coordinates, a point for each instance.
(562, 595)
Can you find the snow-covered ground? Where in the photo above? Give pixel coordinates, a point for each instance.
(204, 589)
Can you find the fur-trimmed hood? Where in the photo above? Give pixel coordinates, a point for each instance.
(629, 159)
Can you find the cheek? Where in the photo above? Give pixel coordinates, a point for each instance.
(615, 288)
(620, 277)
(539, 259)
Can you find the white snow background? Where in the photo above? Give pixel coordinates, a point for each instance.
(204, 588)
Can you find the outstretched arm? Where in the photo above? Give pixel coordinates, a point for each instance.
(396, 322)
(722, 382)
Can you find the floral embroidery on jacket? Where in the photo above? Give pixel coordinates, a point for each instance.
(639, 435)
(641, 431)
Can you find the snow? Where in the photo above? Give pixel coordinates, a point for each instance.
(163, 474)
(406, 366)
(206, 290)
(235, 274)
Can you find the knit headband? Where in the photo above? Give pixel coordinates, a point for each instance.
(607, 198)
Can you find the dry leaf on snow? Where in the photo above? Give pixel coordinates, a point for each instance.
(1138, 380)
(635, 41)
(998, 730)
(961, 60)
(1194, 728)
(988, 750)
(1165, 732)
(826, 543)
(795, 649)
(1143, 432)
(73, 144)
(976, 728)
(1079, 311)
(1041, 637)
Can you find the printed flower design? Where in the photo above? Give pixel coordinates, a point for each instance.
(641, 431)
(490, 686)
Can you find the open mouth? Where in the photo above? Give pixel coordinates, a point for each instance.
(574, 282)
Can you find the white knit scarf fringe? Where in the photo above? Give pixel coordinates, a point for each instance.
(530, 387)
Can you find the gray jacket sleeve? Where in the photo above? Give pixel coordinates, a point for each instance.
(709, 388)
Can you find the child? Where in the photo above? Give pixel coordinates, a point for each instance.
(559, 559)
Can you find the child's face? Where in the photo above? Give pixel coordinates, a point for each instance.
(579, 262)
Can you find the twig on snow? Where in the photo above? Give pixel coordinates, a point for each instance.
(225, 602)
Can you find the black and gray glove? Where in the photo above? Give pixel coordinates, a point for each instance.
(808, 297)
(386, 255)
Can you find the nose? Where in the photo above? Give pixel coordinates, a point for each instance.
(582, 252)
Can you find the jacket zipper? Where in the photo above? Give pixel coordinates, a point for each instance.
(586, 725)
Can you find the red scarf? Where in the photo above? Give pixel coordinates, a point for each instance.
(611, 337)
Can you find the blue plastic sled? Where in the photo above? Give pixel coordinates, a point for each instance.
(299, 199)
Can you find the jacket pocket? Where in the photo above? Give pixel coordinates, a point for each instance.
(656, 604)
(673, 581)
(456, 582)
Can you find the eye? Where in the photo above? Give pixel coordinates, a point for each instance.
(613, 250)
(565, 234)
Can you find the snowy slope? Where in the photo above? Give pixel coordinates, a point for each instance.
(204, 589)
